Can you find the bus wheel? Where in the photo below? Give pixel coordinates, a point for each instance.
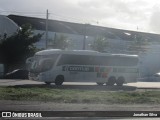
(48, 83)
(98, 83)
(120, 81)
(111, 81)
(59, 80)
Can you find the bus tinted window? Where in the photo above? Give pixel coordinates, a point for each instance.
(97, 60)
(121, 61)
(43, 62)
(116, 61)
(76, 60)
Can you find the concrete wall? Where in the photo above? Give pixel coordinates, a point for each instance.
(76, 41)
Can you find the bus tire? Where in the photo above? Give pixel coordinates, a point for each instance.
(98, 83)
(47, 83)
(111, 81)
(59, 80)
(120, 81)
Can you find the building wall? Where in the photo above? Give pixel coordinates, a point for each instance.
(76, 41)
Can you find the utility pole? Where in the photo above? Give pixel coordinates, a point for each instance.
(84, 39)
(47, 29)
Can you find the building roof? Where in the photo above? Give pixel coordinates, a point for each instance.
(7, 26)
(77, 28)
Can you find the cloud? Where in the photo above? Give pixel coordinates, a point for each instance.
(154, 23)
(123, 11)
(123, 14)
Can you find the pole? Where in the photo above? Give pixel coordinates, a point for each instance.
(84, 39)
(54, 42)
(47, 29)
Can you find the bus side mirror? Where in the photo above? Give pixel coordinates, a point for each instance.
(29, 60)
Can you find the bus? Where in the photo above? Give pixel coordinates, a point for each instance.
(58, 66)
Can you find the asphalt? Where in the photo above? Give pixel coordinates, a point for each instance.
(14, 82)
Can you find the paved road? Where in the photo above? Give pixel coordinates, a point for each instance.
(51, 106)
(78, 110)
(9, 82)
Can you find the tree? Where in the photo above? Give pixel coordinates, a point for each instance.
(100, 44)
(139, 44)
(18, 47)
(60, 42)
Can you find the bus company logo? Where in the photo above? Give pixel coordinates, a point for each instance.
(102, 72)
(64, 68)
(6, 114)
(78, 68)
(102, 69)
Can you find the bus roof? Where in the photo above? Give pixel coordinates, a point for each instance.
(127, 55)
(80, 52)
(59, 51)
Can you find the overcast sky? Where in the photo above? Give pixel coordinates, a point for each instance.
(141, 15)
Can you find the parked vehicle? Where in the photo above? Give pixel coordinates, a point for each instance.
(17, 74)
(152, 78)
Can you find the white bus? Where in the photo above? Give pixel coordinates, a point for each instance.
(58, 66)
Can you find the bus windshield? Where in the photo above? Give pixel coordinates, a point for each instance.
(43, 63)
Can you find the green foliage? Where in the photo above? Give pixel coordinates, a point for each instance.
(16, 48)
(61, 42)
(140, 43)
(140, 40)
(100, 44)
(61, 95)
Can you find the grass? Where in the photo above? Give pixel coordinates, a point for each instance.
(79, 96)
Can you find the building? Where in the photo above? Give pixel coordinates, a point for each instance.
(120, 41)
